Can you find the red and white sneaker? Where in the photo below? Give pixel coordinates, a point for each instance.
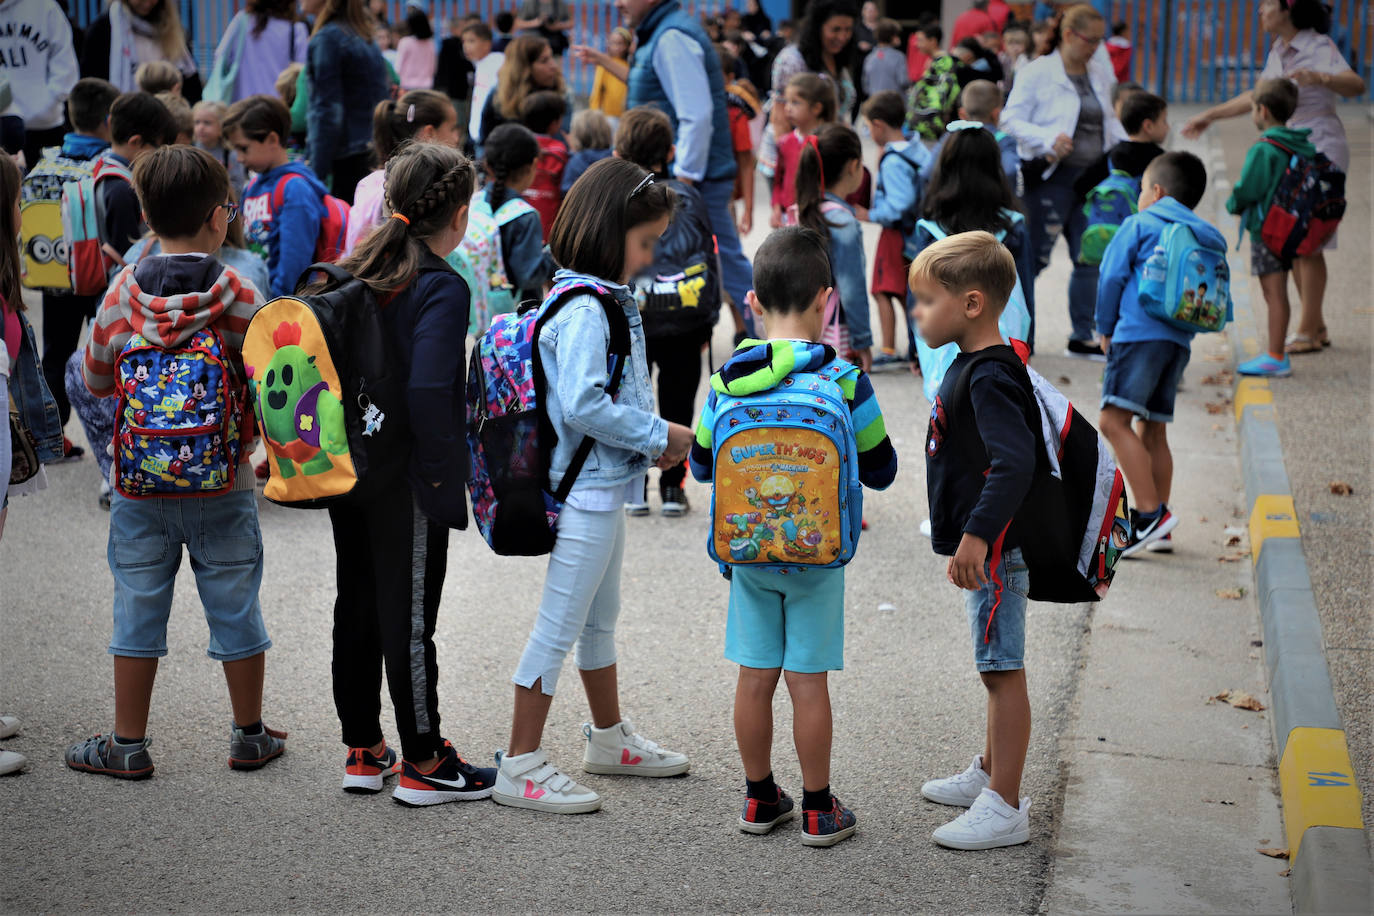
(622, 751)
(451, 779)
(1163, 545)
(365, 773)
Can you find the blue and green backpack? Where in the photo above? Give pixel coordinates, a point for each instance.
(1107, 205)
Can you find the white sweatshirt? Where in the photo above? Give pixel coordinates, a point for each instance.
(37, 55)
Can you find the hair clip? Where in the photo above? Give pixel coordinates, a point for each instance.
(815, 144)
(410, 115)
(644, 183)
(961, 124)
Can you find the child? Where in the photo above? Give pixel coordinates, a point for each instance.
(208, 131)
(896, 197)
(1145, 356)
(284, 236)
(830, 167)
(885, 66)
(589, 141)
(1121, 92)
(504, 23)
(742, 105)
(673, 341)
(808, 102)
(1271, 105)
(1145, 117)
(961, 284)
(511, 153)
(285, 85)
(416, 53)
(168, 299)
(609, 90)
(790, 623)
(604, 235)
(139, 124)
(1119, 50)
(1042, 37)
(422, 115)
(1015, 45)
(486, 64)
(392, 548)
(156, 76)
(542, 112)
(183, 121)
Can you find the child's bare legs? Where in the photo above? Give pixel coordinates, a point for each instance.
(244, 678)
(887, 321)
(603, 695)
(754, 719)
(133, 682)
(1155, 437)
(1009, 729)
(1275, 288)
(1132, 456)
(527, 723)
(1309, 275)
(812, 726)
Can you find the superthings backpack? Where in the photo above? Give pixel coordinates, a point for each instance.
(478, 259)
(1185, 283)
(787, 492)
(1107, 206)
(1307, 205)
(42, 243)
(89, 259)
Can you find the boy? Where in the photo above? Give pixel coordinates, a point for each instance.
(158, 76)
(486, 64)
(1145, 356)
(505, 28)
(284, 235)
(1271, 105)
(923, 48)
(1015, 45)
(961, 284)
(790, 623)
(542, 112)
(902, 167)
(981, 101)
(1120, 51)
(1145, 116)
(183, 118)
(168, 298)
(885, 66)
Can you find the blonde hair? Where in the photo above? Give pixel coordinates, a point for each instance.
(285, 85)
(968, 261)
(219, 108)
(166, 21)
(158, 76)
(1075, 19)
(980, 99)
(180, 110)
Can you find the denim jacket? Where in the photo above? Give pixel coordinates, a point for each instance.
(849, 267)
(30, 394)
(573, 349)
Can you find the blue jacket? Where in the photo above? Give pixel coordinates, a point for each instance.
(578, 163)
(645, 87)
(1120, 315)
(285, 239)
(346, 78)
(850, 270)
(31, 396)
(573, 348)
(528, 263)
(82, 146)
(902, 170)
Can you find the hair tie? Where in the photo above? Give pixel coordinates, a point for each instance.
(402, 217)
(962, 124)
(815, 144)
(410, 114)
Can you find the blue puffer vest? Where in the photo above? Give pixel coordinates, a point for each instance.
(647, 89)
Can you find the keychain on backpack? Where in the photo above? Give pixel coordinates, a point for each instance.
(372, 416)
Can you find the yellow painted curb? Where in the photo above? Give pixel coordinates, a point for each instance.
(1317, 783)
(1272, 516)
(1252, 391)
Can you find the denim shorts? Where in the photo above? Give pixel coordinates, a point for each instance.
(1143, 377)
(221, 535)
(793, 621)
(997, 614)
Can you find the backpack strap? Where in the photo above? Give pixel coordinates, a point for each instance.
(279, 192)
(961, 401)
(512, 210)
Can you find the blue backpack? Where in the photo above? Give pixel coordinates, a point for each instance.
(918, 158)
(787, 494)
(1107, 206)
(510, 438)
(1186, 284)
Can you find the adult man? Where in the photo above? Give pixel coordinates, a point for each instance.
(974, 22)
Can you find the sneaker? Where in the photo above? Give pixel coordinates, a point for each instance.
(12, 762)
(961, 789)
(530, 781)
(640, 507)
(826, 828)
(885, 361)
(248, 752)
(9, 725)
(1083, 349)
(104, 497)
(1163, 545)
(926, 529)
(675, 504)
(71, 451)
(100, 754)
(989, 823)
(1266, 365)
(761, 817)
(1144, 535)
(365, 773)
(622, 751)
(452, 779)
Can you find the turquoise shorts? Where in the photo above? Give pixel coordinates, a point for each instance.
(793, 621)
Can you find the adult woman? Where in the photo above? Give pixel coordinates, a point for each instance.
(131, 32)
(1060, 112)
(530, 67)
(346, 78)
(261, 41)
(548, 19)
(755, 22)
(1304, 53)
(415, 53)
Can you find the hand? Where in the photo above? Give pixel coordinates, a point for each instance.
(861, 213)
(862, 358)
(587, 55)
(685, 180)
(965, 568)
(1105, 342)
(679, 443)
(778, 118)
(745, 223)
(1195, 126)
(1062, 146)
(775, 218)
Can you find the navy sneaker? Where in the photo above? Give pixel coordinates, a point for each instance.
(365, 772)
(760, 817)
(102, 754)
(249, 752)
(826, 828)
(1146, 532)
(454, 779)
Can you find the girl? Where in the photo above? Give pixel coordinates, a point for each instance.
(207, 119)
(829, 168)
(609, 90)
(260, 42)
(415, 54)
(512, 152)
(590, 141)
(392, 543)
(807, 102)
(604, 234)
(423, 115)
(529, 67)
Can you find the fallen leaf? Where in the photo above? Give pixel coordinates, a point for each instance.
(1217, 427)
(1224, 377)
(1232, 557)
(1064, 380)
(1341, 488)
(1286, 872)
(1363, 310)
(1220, 357)
(1233, 540)
(1218, 407)
(1202, 519)
(1239, 699)
(1272, 852)
(1231, 594)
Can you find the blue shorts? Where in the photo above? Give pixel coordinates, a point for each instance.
(221, 535)
(1143, 377)
(997, 614)
(793, 621)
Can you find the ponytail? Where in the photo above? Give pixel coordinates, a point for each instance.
(824, 157)
(508, 149)
(1076, 17)
(394, 121)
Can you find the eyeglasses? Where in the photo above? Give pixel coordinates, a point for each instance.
(648, 180)
(1086, 39)
(231, 212)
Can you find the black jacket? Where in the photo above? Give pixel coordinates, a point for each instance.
(1130, 156)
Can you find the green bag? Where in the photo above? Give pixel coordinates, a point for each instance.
(220, 86)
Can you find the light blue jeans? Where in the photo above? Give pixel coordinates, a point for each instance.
(736, 273)
(581, 600)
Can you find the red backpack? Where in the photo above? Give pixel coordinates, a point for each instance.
(332, 240)
(544, 194)
(1306, 208)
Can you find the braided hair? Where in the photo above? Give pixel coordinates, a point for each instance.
(508, 150)
(426, 184)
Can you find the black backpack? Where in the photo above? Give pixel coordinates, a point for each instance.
(680, 293)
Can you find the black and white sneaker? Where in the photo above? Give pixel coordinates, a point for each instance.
(1085, 349)
(675, 504)
(1143, 535)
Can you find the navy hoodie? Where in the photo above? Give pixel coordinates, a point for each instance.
(284, 238)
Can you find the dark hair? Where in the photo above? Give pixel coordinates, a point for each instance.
(588, 235)
(257, 116)
(1279, 95)
(10, 258)
(968, 190)
(1181, 174)
(932, 30)
(178, 188)
(809, 41)
(790, 268)
(353, 15)
(89, 103)
(1121, 90)
(480, 29)
(887, 30)
(644, 137)
(815, 90)
(508, 149)
(417, 24)
(887, 106)
(139, 114)
(263, 10)
(542, 110)
(727, 59)
(1140, 107)
(504, 21)
(1119, 28)
(820, 166)
(426, 183)
(394, 121)
(1308, 14)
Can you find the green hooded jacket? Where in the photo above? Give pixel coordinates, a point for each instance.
(1259, 177)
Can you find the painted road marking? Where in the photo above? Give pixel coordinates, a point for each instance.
(1318, 785)
(1251, 392)
(1272, 516)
